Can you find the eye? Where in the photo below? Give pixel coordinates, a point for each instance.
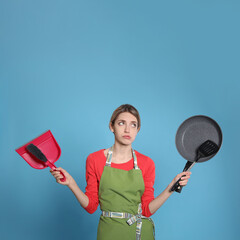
(134, 125)
(121, 123)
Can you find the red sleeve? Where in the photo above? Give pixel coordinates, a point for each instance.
(148, 195)
(91, 189)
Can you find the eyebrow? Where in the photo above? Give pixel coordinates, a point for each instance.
(125, 121)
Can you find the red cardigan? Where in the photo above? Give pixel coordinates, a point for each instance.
(94, 168)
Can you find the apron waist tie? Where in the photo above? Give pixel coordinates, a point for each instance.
(131, 219)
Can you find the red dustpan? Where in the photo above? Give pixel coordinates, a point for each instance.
(48, 146)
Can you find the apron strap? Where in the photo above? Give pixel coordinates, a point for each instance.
(131, 219)
(109, 158)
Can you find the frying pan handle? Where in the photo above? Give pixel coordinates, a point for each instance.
(53, 167)
(179, 189)
(176, 186)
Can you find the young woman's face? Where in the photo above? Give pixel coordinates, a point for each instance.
(125, 128)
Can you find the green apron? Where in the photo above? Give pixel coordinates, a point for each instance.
(120, 195)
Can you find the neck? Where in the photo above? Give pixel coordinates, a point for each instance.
(121, 152)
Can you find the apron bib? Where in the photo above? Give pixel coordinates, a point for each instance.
(120, 195)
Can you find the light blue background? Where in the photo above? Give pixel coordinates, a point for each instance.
(66, 65)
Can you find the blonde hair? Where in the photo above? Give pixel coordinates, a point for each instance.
(125, 108)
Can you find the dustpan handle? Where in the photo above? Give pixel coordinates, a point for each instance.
(53, 167)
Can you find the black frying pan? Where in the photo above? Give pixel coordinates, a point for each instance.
(195, 131)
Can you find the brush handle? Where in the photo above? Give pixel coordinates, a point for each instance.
(53, 167)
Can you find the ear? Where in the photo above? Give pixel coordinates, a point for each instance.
(111, 127)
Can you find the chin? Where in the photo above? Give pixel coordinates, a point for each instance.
(125, 143)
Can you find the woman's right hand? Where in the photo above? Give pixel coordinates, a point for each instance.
(56, 173)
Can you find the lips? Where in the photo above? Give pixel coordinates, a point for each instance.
(126, 137)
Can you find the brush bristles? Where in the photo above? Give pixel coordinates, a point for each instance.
(35, 151)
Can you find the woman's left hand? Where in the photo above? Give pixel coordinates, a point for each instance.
(184, 179)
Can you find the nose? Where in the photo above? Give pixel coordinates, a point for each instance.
(127, 128)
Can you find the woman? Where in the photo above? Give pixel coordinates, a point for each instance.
(121, 180)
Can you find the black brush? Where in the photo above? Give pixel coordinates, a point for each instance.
(206, 149)
(36, 152)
